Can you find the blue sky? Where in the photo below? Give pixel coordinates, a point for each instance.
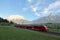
(29, 9)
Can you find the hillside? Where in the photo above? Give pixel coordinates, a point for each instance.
(52, 18)
(12, 33)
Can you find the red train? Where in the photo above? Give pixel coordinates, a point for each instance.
(40, 27)
(33, 27)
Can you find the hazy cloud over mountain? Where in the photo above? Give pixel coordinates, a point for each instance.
(15, 17)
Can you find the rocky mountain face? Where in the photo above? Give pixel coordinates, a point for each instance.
(52, 18)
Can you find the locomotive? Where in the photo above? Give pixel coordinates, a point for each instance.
(33, 27)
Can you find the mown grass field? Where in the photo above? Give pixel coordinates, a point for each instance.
(12, 33)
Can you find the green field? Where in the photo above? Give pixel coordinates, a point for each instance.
(12, 33)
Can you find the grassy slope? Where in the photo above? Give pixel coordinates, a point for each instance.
(12, 33)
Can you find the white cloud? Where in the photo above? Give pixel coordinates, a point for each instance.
(35, 6)
(34, 9)
(51, 6)
(54, 5)
(29, 1)
(15, 17)
(37, 14)
(45, 10)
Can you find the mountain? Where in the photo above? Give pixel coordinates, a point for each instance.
(18, 19)
(52, 18)
(22, 22)
(15, 17)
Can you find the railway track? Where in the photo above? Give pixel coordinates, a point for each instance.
(49, 32)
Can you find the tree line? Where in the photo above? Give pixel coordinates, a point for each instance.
(5, 21)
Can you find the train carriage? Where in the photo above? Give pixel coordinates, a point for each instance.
(33, 27)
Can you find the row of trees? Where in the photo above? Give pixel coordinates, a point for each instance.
(4, 21)
(53, 25)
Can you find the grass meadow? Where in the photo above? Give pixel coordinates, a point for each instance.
(10, 32)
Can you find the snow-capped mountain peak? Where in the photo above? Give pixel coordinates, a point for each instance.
(52, 18)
